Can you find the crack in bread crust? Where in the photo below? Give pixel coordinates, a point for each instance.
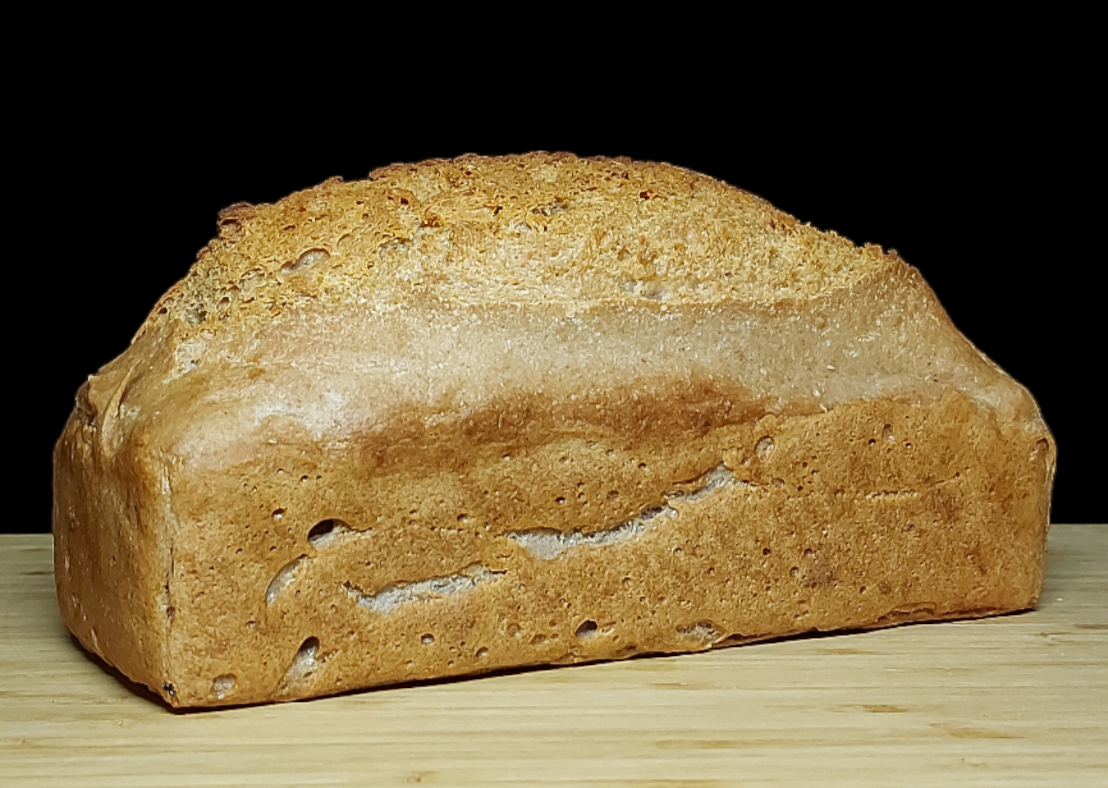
(546, 543)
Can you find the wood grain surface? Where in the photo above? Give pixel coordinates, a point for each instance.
(1016, 700)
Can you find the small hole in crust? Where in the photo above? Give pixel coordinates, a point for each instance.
(306, 259)
(587, 629)
(283, 579)
(305, 663)
(764, 447)
(1041, 446)
(325, 531)
(222, 686)
(427, 639)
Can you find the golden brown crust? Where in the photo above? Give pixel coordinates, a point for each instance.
(530, 229)
(479, 413)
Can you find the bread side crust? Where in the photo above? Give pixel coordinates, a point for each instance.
(870, 514)
(113, 531)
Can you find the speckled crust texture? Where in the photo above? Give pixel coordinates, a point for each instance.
(487, 413)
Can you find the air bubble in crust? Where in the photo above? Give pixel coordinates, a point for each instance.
(283, 579)
(306, 260)
(305, 662)
(223, 685)
(325, 532)
(586, 629)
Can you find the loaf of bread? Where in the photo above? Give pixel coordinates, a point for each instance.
(481, 413)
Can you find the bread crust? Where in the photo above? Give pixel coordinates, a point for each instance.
(484, 413)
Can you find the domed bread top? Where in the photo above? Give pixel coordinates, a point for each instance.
(529, 229)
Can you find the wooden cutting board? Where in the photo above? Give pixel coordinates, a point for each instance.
(1018, 700)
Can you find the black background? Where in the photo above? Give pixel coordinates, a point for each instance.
(974, 177)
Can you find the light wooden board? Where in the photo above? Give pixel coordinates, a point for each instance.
(1016, 701)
